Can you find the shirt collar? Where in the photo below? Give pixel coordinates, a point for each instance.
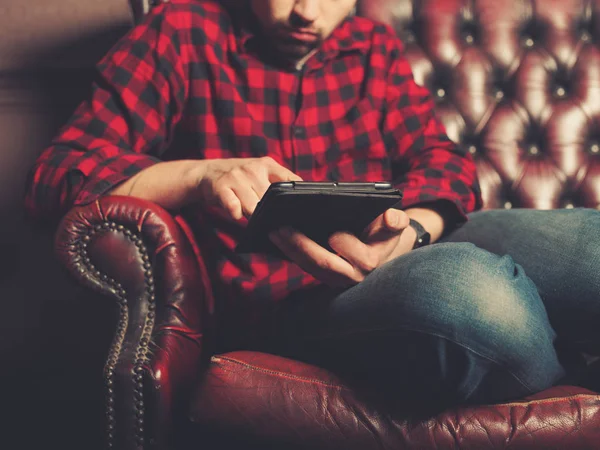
(347, 37)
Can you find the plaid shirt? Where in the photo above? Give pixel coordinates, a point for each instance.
(189, 83)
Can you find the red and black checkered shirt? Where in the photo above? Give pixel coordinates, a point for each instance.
(189, 82)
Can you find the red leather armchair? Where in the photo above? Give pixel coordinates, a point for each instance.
(517, 83)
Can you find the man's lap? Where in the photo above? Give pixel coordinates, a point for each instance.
(461, 288)
(555, 249)
(443, 315)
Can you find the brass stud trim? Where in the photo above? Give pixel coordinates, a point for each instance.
(142, 350)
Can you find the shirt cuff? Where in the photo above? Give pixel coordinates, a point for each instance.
(98, 183)
(449, 207)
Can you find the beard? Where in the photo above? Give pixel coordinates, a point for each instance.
(286, 46)
(292, 50)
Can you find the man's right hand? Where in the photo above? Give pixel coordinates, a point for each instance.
(233, 186)
(236, 185)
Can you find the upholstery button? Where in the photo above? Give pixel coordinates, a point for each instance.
(586, 37)
(595, 149)
(469, 27)
(409, 37)
(533, 150)
(508, 205)
(441, 92)
(569, 206)
(472, 149)
(499, 94)
(560, 92)
(529, 42)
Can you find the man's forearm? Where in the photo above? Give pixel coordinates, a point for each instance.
(430, 219)
(174, 184)
(436, 217)
(170, 184)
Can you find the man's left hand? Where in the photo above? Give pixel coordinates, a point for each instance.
(355, 257)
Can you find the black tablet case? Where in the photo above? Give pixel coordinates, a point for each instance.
(317, 211)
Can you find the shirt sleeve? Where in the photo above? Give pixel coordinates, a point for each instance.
(426, 165)
(136, 99)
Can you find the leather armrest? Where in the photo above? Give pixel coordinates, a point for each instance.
(140, 256)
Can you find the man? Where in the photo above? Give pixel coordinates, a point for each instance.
(204, 105)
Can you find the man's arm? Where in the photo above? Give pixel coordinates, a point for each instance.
(438, 179)
(171, 184)
(234, 185)
(439, 183)
(135, 103)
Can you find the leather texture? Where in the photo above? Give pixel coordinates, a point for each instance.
(517, 85)
(140, 257)
(294, 405)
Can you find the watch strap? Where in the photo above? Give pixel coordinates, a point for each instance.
(423, 237)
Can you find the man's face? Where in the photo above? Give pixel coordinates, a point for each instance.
(297, 27)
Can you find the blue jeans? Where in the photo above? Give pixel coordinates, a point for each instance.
(496, 310)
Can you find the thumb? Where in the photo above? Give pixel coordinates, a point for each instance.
(395, 220)
(390, 223)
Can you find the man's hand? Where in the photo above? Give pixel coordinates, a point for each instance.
(237, 185)
(386, 238)
(232, 186)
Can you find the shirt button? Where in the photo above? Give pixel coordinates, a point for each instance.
(299, 132)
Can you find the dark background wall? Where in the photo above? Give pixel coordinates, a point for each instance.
(48, 327)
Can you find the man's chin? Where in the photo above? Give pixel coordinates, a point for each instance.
(292, 52)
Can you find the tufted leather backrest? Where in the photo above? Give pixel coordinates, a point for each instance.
(517, 84)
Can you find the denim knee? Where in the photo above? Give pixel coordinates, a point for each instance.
(481, 302)
(560, 252)
(581, 232)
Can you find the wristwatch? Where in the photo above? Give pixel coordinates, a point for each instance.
(423, 237)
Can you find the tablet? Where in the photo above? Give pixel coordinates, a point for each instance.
(317, 209)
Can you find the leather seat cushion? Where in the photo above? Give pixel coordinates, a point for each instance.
(286, 402)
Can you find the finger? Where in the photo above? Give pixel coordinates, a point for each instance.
(277, 172)
(375, 226)
(230, 203)
(395, 219)
(259, 181)
(260, 186)
(316, 260)
(355, 251)
(247, 197)
(388, 224)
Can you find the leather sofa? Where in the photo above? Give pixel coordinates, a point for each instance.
(516, 84)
